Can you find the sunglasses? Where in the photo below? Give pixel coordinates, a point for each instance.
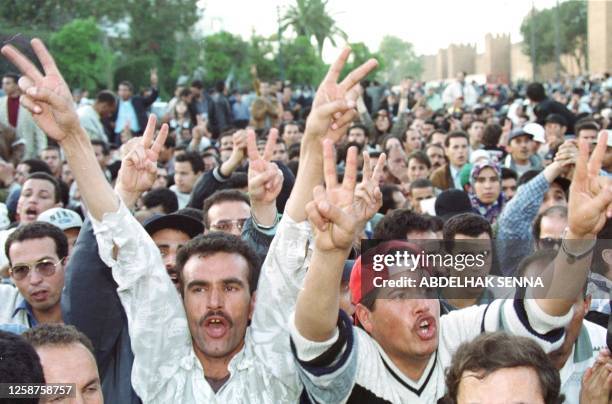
(45, 267)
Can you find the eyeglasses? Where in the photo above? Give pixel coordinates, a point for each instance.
(549, 243)
(45, 267)
(228, 225)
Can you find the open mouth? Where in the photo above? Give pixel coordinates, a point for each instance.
(31, 213)
(39, 296)
(426, 328)
(216, 327)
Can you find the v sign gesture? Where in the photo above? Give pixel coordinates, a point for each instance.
(46, 96)
(368, 197)
(139, 166)
(265, 179)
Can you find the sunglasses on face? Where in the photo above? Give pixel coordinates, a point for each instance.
(44, 267)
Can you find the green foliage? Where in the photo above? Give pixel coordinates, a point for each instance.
(359, 55)
(398, 59)
(223, 52)
(302, 63)
(572, 32)
(80, 54)
(310, 18)
(262, 55)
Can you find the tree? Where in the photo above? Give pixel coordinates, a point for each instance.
(399, 59)
(224, 52)
(572, 33)
(310, 18)
(359, 55)
(81, 56)
(305, 66)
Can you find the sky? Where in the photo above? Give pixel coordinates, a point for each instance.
(428, 24)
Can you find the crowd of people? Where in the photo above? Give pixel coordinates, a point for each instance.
(214, 253)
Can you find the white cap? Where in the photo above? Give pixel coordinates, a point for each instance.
(478, 154)
(63, 218)
(536, 130)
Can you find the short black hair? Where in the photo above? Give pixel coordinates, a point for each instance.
(56, 334)
(37, 165)
(103, 144)
(54, 148)
(397, 224)
(20, 363)
(39, 175)
(106, 97)
(220, 86)
(535, 92)
(11, 75)
(170, 142)
(454, 135)
(388, 203)
(421, 183)
(419, 156)
(508, 173)
(216, 242)
(161, 196)
(537, 223)
(292, 123)
(127, 84)
(492, 133)
(469, 224)
(197, 84)
(359, 126)
(226, 195)
(193, 158)
(38, 230)
(585, 124)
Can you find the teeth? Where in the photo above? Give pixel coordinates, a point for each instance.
(424, 324)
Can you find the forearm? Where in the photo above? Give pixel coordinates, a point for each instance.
(129, 198)
(316, 313)
(264, 213)
(310, 174)
(229, 166)
(95, 190)
(568, 276)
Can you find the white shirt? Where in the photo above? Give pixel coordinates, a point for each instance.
(90, 121)
(165, 368)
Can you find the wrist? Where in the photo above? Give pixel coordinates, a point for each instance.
(264, 214)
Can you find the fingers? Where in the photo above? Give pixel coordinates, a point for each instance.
(312, 208)
(327, 110)
(42, 94)
(161, 139)
(344, 119)
(367, 167)
(329, 164)
(334, 70)
(379, 168)
(358, 74)
(25, 66)
(45, 58)
(580, 172)
(29, 104)
(597, 157)
(24, 83)
(252, 145)
(336, 216)
(149, 132)
(350, 173)
(603, 200)
(270, 144)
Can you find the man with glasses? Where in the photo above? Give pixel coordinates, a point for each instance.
(548, 228)
(226, 211)
(36, 254)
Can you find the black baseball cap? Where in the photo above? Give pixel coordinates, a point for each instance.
(187, 224)
(452, 202)
(556, 118)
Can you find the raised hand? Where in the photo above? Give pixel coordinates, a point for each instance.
(139, 166)
(597, 381)
(333, 107)
(590, 197)
(332, 213)
(264, 177)
(368, 198)
(46, 96)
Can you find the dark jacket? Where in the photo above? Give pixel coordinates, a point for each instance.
(219, 114)
(90, 303)
(212, 181)
(141, 105)
(548, 106)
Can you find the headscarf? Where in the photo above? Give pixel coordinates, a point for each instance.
(491, 211)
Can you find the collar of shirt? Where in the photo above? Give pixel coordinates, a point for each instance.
(456, 177)
(24, 305)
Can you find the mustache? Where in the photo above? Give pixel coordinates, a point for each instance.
(213, 313)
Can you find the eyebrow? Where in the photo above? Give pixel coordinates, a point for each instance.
(47, 257)
(226, 281)
(92, 382)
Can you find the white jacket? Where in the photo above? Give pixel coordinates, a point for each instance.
(35, 139)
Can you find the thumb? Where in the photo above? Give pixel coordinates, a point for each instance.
(326, 111)
(336, 215)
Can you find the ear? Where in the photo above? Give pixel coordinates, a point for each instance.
(252, 304)
(607, 256)
(365, 317)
